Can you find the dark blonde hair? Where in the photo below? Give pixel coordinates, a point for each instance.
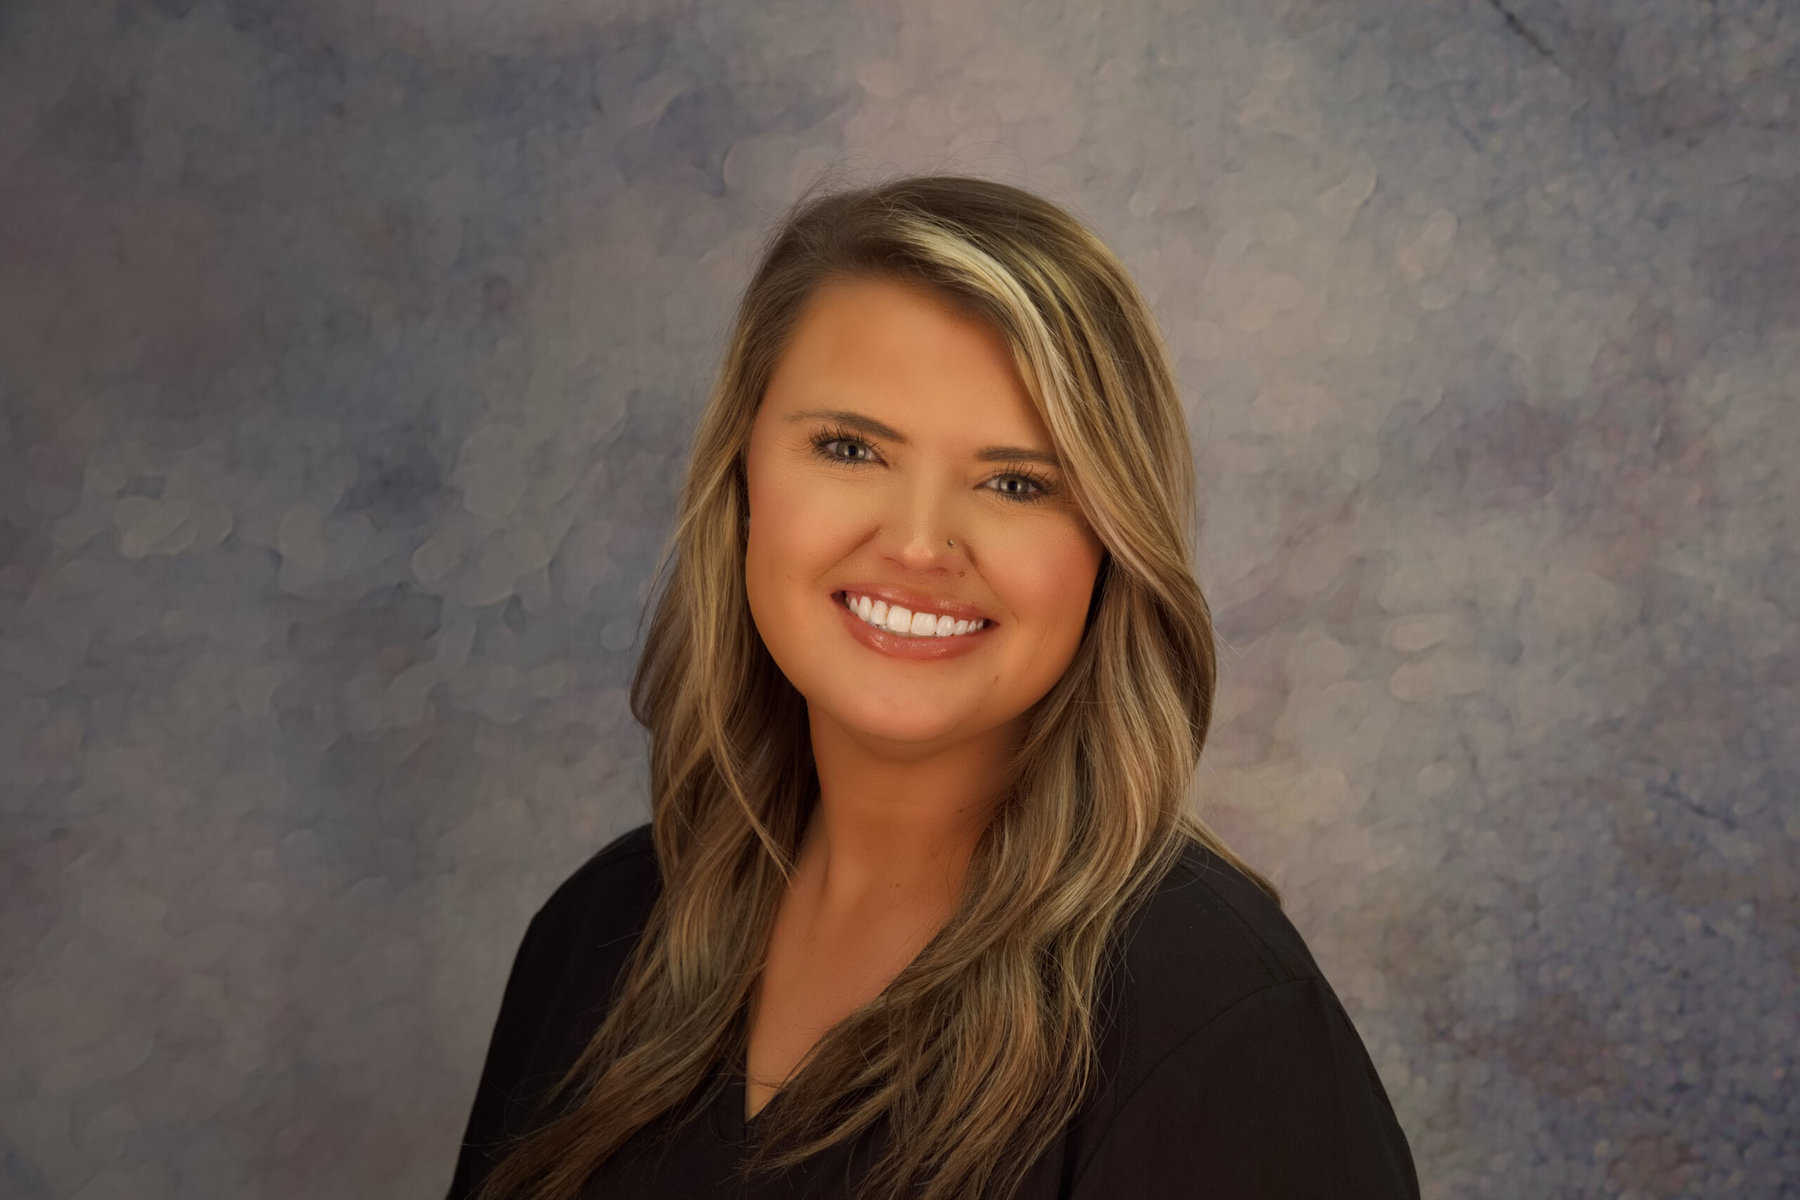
(980, 1051)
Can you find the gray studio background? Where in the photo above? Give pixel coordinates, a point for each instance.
(348, 358)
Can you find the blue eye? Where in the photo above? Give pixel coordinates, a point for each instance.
(823, 442)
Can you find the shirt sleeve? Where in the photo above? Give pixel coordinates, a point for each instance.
(1274, 1099)
(499, 1102)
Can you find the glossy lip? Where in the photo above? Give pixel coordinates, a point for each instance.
(919, 649)
(914, 601)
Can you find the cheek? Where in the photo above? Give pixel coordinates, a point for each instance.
(791, 531)
(1049, 582)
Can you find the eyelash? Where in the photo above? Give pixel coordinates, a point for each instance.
(822, 440)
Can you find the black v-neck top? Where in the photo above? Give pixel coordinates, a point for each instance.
(1228, 1067)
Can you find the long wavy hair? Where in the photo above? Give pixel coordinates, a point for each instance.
(979, 1052)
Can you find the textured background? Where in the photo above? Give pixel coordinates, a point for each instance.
(348, 356)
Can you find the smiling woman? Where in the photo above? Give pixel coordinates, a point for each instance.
(923, 908)
(942, 417)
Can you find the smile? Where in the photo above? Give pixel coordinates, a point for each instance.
(879, 627)
(903, 622)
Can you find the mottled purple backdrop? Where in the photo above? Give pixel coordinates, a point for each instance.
(349, 357)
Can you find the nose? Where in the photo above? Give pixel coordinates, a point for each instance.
(923, 542)
(927, 551)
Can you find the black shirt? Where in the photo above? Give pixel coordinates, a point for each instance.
(1231, 1070)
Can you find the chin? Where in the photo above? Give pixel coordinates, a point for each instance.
(921, 725)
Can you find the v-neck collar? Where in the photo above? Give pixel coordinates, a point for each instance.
(728, 1106)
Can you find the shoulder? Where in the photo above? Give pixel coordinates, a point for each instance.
(1225, 1030)
(1206, 938)
(624, 866)
(556, 992)
(605, 900)
(1206, 941)
(579, 940)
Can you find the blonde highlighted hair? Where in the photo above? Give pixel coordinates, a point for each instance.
(980, 1051)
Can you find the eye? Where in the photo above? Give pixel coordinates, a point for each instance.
(1039, 486)
(1036, 487)
(825, 440)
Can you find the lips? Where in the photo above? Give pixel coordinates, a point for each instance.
(915, 649)
(915, 601)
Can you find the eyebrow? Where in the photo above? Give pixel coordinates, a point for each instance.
(883, 430)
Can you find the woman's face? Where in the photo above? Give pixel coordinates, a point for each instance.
(836, 503)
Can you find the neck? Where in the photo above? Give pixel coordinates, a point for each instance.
(892, 834)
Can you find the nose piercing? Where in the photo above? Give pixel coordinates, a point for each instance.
(953, 543)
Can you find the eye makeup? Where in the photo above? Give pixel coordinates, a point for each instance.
(832, 434)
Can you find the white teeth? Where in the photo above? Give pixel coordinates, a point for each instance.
(897, 618)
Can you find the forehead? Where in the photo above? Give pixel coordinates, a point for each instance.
(902, 347)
